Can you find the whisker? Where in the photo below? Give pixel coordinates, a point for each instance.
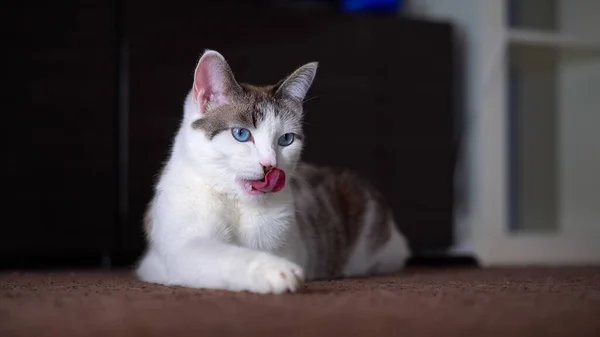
(309, 99)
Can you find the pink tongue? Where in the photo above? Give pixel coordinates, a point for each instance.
(273, 182)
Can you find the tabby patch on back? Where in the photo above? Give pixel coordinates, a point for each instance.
(235, 208)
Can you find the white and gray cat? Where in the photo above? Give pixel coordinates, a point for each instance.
(235, 208)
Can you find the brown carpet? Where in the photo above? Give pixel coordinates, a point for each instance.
(541, 302)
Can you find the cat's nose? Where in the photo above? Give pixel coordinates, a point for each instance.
(266, 168)
(266, 165)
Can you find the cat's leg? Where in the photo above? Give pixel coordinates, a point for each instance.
(152, 268)
(386, 257)
(392, 256)
(208, 263)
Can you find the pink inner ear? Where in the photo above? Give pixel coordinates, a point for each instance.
(209, 83)
(201, 98)
(201, 87)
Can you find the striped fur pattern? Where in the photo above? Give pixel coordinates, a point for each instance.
(208, 227)
(335, 209)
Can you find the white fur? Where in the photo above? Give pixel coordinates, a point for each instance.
(207, 232)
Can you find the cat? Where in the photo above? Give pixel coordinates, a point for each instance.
(236, 209)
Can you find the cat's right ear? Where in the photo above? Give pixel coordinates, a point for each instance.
(214, 83)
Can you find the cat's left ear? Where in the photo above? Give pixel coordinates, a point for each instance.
(297, 84)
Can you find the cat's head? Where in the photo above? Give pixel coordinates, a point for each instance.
(244, 139)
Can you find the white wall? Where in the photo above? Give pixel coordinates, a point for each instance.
(481, 48)
(481, 223)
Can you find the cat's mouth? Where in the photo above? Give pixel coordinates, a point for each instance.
(272, 182)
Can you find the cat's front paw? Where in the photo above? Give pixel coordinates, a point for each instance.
(271, 274)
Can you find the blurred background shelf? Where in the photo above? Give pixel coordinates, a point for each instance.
(540, 38)
(528, 179)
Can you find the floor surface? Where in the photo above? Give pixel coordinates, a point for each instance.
(465, 302)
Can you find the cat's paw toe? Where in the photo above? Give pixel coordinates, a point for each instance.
(275, 275)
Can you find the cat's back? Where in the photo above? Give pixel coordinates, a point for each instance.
(349, 190)
(343, 218)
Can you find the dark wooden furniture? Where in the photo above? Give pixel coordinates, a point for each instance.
(59, 107)
(381, 104)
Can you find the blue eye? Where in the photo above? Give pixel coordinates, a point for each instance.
(241, 134)
(286, 139)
